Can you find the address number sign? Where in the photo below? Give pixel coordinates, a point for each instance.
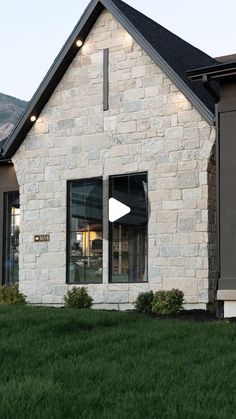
(42, 238)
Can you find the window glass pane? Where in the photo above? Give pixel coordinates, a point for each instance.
(128, 235)
(120, 259)
(77, 205)
(120, 189)
(85, 241)
(11, 238)
(138, 254)
(94, 201)
(138, 199)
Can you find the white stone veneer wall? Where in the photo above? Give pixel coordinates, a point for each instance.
(150, 126)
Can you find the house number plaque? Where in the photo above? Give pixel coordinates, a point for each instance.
(42, 238)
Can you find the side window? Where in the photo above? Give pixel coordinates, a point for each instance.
(84, 231)
(11, 238)
(128, 235)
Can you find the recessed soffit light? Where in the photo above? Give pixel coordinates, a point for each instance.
(79, 43)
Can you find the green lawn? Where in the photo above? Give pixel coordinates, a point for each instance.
(58, 363)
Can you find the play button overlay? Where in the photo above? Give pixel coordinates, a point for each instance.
(117, 210)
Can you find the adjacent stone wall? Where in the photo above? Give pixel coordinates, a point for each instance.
(150, 126)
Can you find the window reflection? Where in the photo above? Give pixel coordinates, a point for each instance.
(128, 235)
(11, 238)
(85, 244)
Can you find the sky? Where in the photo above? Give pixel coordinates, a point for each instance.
(32, 33)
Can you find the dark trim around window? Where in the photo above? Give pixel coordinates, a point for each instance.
(5, 231)
(68, 217)
(110, 234)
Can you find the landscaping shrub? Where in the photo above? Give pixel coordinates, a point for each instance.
(78, 298)
(10, 294)
(143, 303)
(167, 303)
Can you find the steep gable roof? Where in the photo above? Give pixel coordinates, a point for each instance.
(177, 53)
(172, 54)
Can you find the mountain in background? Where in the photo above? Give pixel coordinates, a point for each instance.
(10, 111)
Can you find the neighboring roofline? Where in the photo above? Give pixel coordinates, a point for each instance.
(66, 56)
(226, 58)
(217, 72)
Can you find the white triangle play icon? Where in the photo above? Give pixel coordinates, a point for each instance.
(117, 210)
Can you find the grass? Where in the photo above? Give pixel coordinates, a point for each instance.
(58, 363)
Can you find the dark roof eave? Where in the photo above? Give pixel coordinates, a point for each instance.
(217, 72)
(5, 161)
(53, 77)
(173, 76)
(68, 53)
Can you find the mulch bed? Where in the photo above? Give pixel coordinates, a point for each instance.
(198, 315)
(195, 315)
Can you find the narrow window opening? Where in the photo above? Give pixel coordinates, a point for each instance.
(106, 79)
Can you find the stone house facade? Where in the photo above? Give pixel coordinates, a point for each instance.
(150, 128)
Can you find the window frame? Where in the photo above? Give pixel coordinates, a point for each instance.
(5, 226)
(110, 232)
(68, 214)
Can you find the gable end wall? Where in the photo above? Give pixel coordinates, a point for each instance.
(150, 126)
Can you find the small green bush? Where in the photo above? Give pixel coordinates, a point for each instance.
(10, 294)
(78, 298)
(168, 303)
(143, 303)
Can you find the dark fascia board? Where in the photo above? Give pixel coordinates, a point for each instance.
(216, 72)
(164, 66)
(53, 77)
(5, 161)
(66, 56)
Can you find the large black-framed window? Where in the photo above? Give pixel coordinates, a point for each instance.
(128, 235)
(84, 231)
(11, 229)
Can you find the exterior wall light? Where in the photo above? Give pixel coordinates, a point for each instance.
(79, 43)
(33, 118)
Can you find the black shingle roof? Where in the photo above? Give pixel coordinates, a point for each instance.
(179, 54)
(2, 142)
(174, 56)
